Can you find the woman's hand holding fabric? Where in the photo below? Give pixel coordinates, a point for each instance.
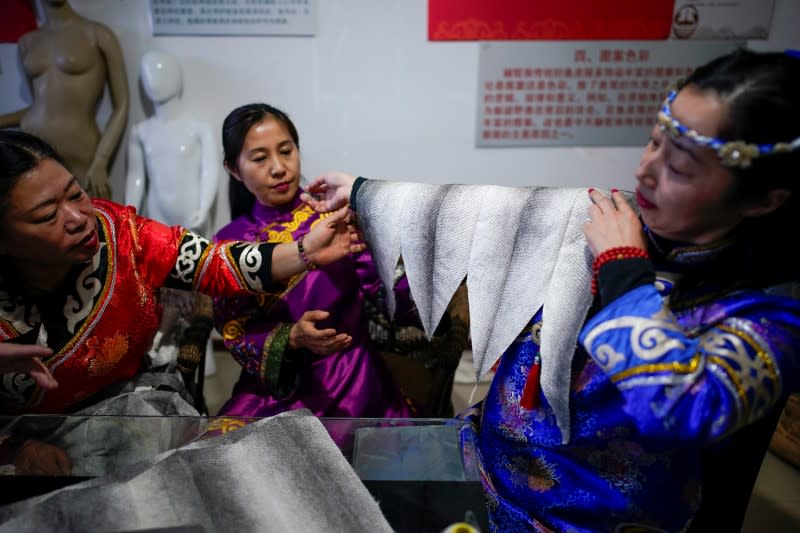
(612, 223)
(304, 334)
(332, 238)
(329, 191)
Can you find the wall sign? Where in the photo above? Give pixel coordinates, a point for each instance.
(233, 17)
(739, 19)
(579, 93)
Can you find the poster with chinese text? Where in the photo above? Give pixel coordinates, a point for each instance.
(581, 93)
(233, 17)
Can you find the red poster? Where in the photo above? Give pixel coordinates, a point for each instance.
(17, 19)
(519, 20)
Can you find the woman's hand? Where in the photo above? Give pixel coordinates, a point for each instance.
(612, 223)
(25, 358)
(332, 238)
(329, 191)
(304, 334)
(37, 458)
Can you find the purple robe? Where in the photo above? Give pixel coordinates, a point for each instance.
(354, 382)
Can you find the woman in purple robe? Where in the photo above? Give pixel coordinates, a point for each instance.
(308, 345)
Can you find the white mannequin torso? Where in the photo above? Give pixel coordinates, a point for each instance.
(171, 156)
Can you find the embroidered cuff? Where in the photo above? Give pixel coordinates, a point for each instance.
(280, 366)
(354, 192)
(616, 278)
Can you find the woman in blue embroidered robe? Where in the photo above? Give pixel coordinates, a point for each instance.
(683, 348)
(685, 344)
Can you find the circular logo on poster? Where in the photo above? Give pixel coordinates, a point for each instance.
(685, 22)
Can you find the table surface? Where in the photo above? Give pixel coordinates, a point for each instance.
(412, 466)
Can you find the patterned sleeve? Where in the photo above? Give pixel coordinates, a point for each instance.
(180, 259)
(701, 385)
(257, 342)
(227, 268)
(237, 275)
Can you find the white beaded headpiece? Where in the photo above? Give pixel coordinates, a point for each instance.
(731, 153)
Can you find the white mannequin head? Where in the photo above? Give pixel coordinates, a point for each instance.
(162, 78)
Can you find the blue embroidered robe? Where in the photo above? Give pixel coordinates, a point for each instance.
(651, 385)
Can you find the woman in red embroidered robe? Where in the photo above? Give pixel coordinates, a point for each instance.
(82, 276)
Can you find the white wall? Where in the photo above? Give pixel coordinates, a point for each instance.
(369, 94)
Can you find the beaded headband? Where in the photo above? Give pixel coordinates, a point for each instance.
(731, 153)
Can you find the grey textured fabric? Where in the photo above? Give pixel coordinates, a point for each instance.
(125, 430)
(520, 248)
(139, 419)
(282, 473)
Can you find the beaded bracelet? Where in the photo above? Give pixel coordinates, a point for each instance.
(302, 251)
(614, 254)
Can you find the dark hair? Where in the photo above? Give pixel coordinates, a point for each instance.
(234, 130)
(20, 153)
(761, 91)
